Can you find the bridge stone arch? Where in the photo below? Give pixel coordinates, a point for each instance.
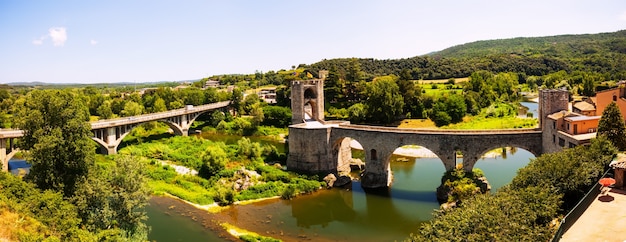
(342, 153)
(530, 140)
(471, 157)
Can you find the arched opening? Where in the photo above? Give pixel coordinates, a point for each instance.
(350, 156)
(417, 173)
(500, 165)
(373, 154)
(309, 93)
(308, 110)
(147, 132)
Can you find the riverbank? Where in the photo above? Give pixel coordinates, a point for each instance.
(210, 216)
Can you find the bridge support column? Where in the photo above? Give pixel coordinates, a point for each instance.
(184, 126)
(469, 159)
(377, 169)
(111, 141)
(3, 154)
(6, 152)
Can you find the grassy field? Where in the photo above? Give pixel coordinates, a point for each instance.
(442, 81)
(473, 123)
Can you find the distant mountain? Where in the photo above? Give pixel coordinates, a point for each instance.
(603, 53)
(559, 46)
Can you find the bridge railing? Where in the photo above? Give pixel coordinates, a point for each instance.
(156, 116)
(11, 133)
(437, 131)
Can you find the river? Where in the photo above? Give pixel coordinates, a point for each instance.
(347, 214)
(335, 214)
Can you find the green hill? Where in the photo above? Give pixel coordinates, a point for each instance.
(603, 54)
(565, 46)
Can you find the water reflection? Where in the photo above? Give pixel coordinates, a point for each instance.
(326, 208)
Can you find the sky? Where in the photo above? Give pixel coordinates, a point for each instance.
(158, 40)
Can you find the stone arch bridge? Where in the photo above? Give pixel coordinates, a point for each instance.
(323, 147)
(109, 133)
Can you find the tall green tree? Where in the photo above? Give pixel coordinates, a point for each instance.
(612, 126)
(237, 100)
(131, 108)
(114, 197)
(57, 135)
(333, 86)
(384, 100)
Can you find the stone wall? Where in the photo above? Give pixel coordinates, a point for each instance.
(551, 101)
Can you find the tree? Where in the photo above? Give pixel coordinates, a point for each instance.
(276, 116)
(333, 86)
(384, 100)
(159, 105)
(214, 159)
(456, 108)
(57, 134)
(105, 111)
(114, 197)
(131, 108)
(612, 126)
(236, 100)
(589, 88)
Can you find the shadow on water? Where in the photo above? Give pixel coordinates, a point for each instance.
(414, 196)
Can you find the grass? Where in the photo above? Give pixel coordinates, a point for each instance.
(473, 123)
(417, 124)
(246, 235)
(443, 81)
(494, 123)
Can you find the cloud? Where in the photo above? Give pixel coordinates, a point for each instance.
(623, 16)
(58, 35)
(93, 42)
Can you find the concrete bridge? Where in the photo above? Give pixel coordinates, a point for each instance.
(322, 147)
(109, 133)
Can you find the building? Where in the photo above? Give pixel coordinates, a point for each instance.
(211, 83)
(617, 95)
(561, 127)
(268, 95)
(586, 107)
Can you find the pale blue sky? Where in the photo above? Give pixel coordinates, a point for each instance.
(141, 41)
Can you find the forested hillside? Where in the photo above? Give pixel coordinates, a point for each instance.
(600, 53)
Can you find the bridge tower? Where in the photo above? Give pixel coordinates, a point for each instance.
(551, 101)
(307, 100)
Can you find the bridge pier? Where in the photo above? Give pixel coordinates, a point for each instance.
(7, 150)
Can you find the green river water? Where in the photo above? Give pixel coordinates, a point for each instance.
(348, 214)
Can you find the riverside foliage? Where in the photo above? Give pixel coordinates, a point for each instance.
(542, 191)
(225, 171)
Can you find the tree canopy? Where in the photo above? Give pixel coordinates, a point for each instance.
(612, 126)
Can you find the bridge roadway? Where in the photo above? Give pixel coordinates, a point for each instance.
(324, 147)
(109, 133)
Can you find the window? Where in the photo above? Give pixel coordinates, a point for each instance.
(561, 142)
(614, 98)
(373, 154)
(553, 139)
(554, 125)
(571, 145)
